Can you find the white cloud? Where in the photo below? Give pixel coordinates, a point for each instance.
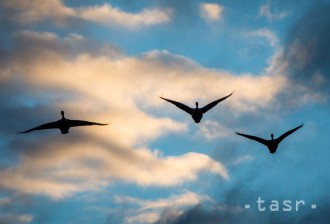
(211, 130)
(268, 34)
(107, 15)
(211, 11)
(271, 14)
(55, 11)
(145, 217)
(242, 159)
(187, 199)
(149, 211)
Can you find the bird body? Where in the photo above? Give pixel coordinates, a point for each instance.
(63, 124)
(196, 113)
(271, 144)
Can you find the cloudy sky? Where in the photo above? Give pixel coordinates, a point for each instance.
(109, 61)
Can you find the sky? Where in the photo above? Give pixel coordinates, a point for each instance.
(110, 61)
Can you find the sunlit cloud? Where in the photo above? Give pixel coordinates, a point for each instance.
(108, 15)
(55, 11)
(152, 163)
(81, 167)
(37, 10)
(125, 90)
(211, 11)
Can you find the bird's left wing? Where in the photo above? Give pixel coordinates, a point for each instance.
(180, 105)
(255, 138)
(49, 125)
(214, 103)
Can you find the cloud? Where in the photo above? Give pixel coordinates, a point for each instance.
(307, 51)
(202, 213)
(91, 84)
(106, 15)
(214, 213)
(242, 159)
(264, 33)
(271, 14)
(211, 11)
(149, 211)
(55, 11)
(211, 130)
(24, 11)
(81, 167)
(9, 213)
(186, 199)
(304, 58)
(59, 167)
(16, 218)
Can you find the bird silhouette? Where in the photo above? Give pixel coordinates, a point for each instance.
(196, 113)
(63, 124)
(273, 143)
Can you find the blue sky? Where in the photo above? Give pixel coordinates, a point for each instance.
(109, 61)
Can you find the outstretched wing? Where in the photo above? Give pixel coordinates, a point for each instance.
(50, 125)
(279, 139)
(260, 140)
(180, 105)
(75, 123)
(214, 103)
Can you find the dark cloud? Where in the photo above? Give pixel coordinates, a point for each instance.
(307, 51)
(229, 214)
(203, 214)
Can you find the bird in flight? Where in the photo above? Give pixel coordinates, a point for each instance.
(273, 143)
(196, 113)
(63, 124)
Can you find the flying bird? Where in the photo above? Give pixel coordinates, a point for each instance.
(63, 124)
(196, 113)
(273, 143)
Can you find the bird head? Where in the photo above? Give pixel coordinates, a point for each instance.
(271, 135)
(196, 104)
(62, 113)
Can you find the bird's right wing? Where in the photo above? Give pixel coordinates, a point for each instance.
(75, 123)
(261, 140)
(50, 125)
(288, 133)
(180, 105)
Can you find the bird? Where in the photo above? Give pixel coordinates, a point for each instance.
(196, 113)
(272, 144)
(63, 124)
